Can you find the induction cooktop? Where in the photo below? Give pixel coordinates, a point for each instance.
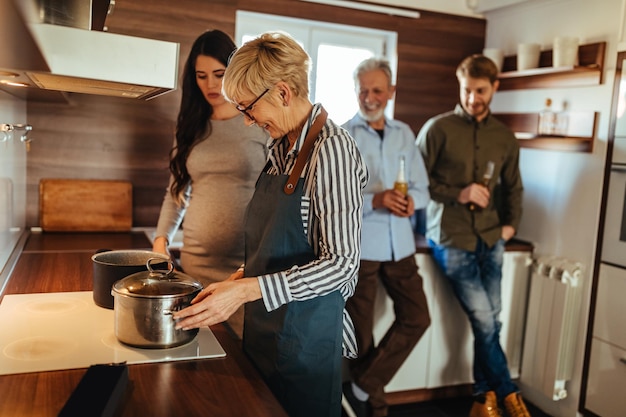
(67, 330)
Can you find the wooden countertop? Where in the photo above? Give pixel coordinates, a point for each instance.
(229, 386)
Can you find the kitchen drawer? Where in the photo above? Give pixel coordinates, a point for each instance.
(610, 313)
(607, 372)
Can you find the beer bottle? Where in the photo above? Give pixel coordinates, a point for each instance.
(401, 183)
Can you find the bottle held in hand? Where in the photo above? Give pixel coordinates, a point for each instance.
(401, 183)
(485, 181)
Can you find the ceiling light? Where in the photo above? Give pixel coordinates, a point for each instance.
(394, 11)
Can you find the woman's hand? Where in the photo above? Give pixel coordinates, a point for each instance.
(217, 302)
(160, 245)
(238, 274)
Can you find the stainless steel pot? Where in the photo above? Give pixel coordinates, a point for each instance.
(109, 266)
(144, 303)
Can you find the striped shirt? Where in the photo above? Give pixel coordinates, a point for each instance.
(331, 209)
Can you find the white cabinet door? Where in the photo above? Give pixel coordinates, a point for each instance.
(607, 363)
(444, 355)
(607, 378)
(452, 350)
(610, 307)
(413, 374)
(515, 284)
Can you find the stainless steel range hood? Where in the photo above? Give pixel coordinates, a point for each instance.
(68, 53)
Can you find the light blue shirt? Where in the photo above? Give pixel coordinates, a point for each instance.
(386, 237)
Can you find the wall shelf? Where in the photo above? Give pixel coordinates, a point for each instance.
(578, 138)
(588, 72)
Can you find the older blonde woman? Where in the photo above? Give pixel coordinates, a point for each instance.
(302, 233)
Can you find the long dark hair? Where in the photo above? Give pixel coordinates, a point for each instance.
(194, 116)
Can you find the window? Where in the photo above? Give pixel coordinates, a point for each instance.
(335, 51)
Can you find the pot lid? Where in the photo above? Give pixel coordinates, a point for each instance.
(127, 257)
(157, 283)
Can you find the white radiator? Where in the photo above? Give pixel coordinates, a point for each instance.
(551, 325)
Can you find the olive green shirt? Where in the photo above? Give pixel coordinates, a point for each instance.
(456, 151)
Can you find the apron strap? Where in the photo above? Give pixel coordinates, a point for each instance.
(305, 151)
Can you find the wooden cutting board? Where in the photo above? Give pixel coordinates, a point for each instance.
(85, 205)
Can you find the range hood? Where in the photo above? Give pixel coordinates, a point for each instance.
(60, 45)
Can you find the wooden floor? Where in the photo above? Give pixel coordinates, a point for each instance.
(458, 407)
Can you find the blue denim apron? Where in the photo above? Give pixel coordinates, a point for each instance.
(297, 347)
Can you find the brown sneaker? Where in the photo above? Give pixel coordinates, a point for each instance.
(485, 406)
(515, 406)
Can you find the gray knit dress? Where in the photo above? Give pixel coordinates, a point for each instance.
(223, 168)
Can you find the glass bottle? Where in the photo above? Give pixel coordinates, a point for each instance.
(401, 183)
(487, 175)
(562, 121)
(547, 119)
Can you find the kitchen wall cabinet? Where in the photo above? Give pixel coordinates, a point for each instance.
(12, 149)
(444, 355)
(12, 183)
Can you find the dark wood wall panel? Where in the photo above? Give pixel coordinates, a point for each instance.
(111, 138)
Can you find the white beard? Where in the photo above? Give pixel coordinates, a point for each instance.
(373, 117)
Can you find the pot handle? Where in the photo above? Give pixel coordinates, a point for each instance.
(170, 266)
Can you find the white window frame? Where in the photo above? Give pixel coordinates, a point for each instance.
(311, 33)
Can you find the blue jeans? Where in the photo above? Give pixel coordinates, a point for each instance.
(475, 278)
